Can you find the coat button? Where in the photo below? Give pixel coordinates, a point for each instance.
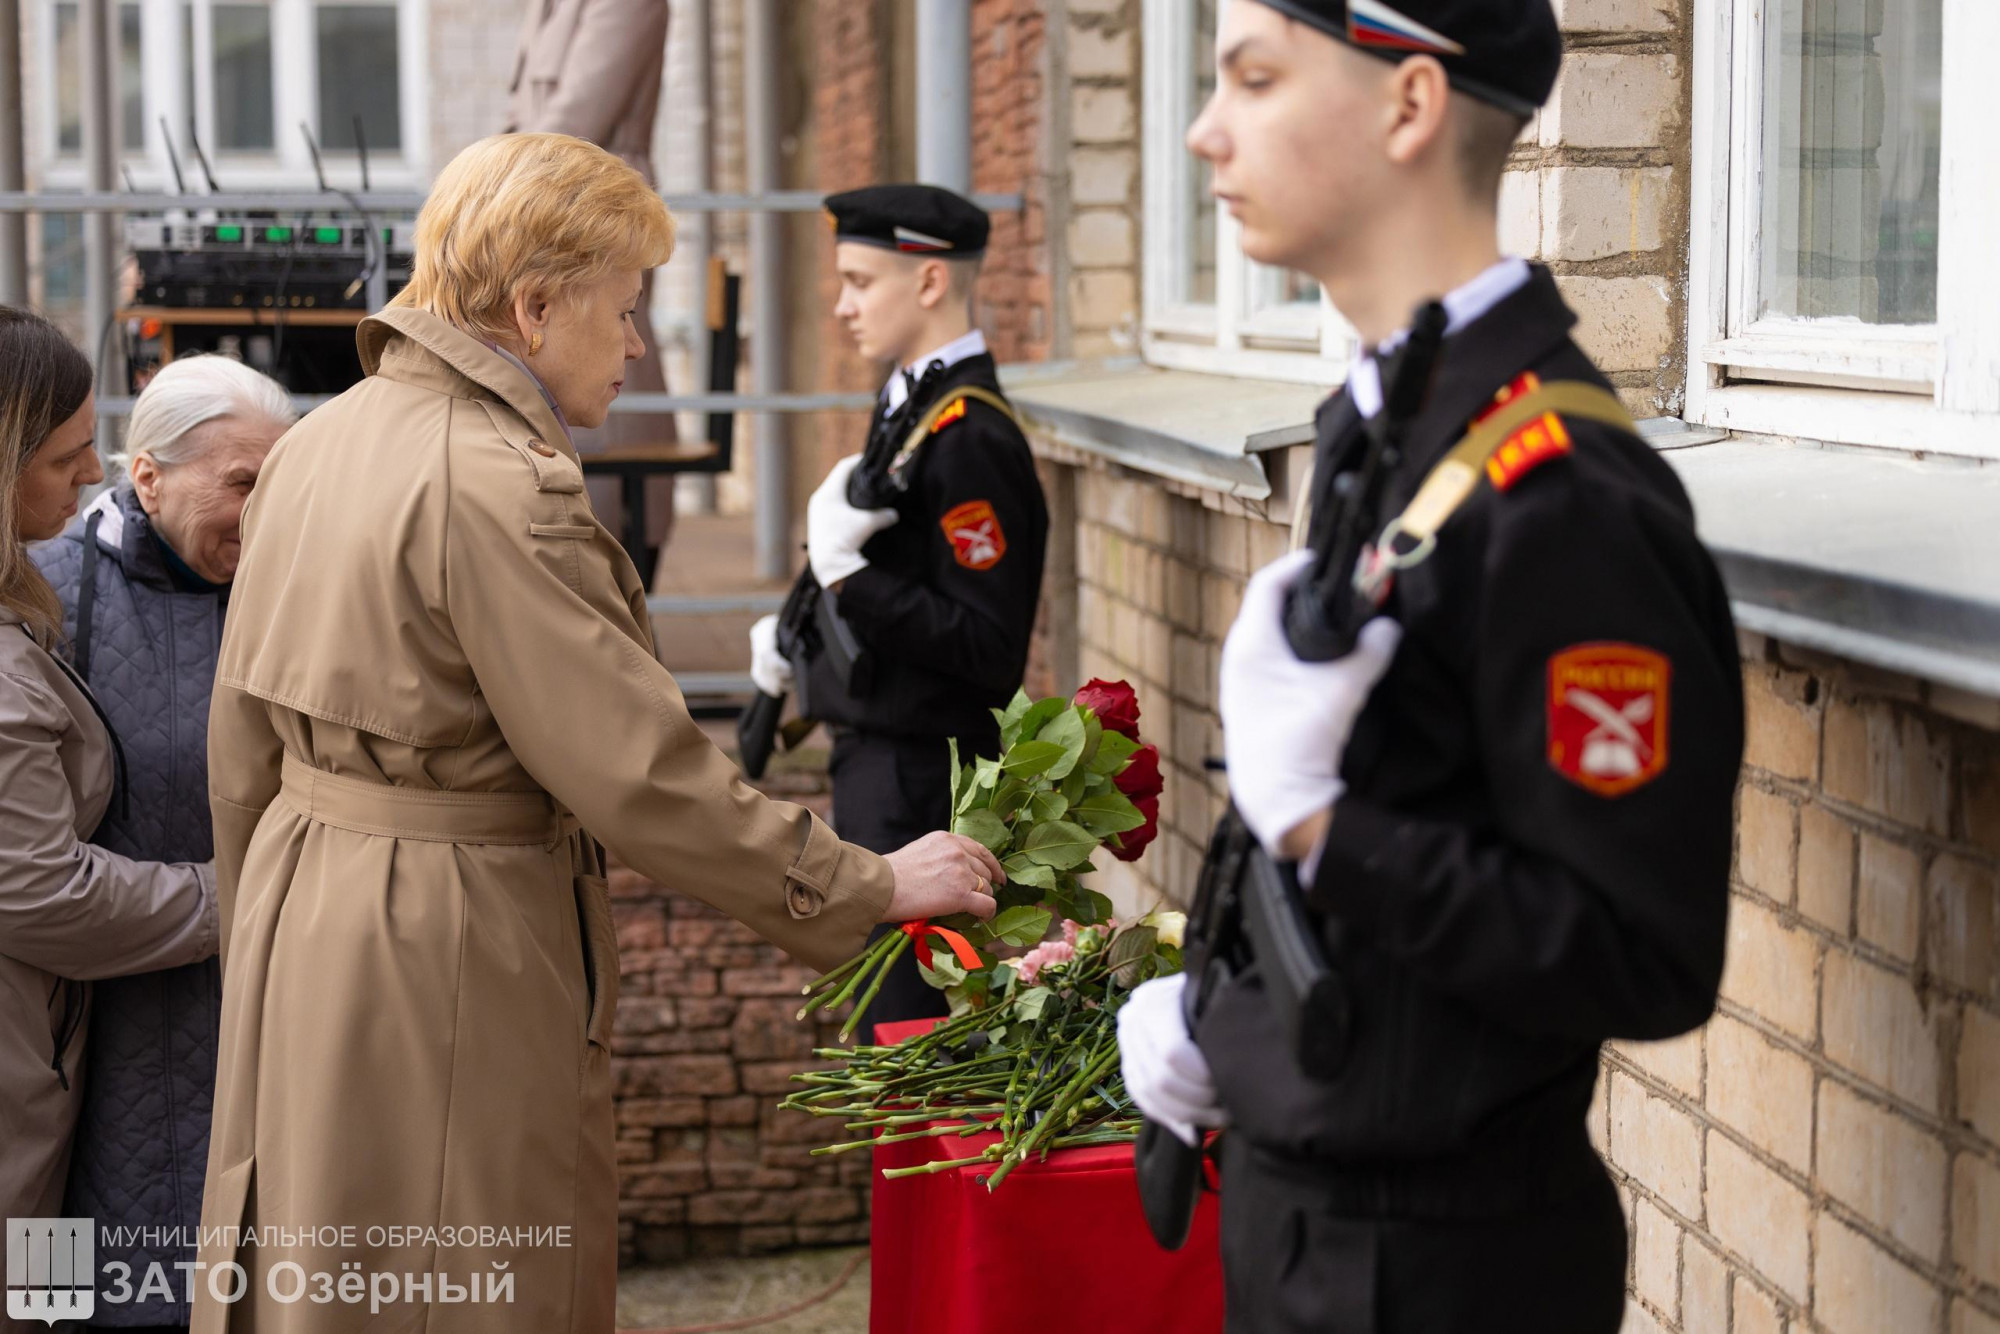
(546, 451)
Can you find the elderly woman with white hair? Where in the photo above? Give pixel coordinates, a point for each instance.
(143, 575)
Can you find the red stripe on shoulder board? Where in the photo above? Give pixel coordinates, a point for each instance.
(1526, 450)
(948, 416)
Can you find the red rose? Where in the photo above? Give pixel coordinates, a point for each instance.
(1114, 704)
(1133, 841)
(1141, 775)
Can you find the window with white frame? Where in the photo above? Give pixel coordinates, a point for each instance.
(247, 80)
(1207, 306)
(1844, 272)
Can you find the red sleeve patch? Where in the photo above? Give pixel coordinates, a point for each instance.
(1526, 450)
(1607, 711)
(973, 530)
(949, 415)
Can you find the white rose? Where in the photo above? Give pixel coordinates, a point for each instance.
(1172, 926)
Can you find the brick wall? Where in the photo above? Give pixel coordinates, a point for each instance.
(705, 1045)
(1826, 1153)
(1097, 122)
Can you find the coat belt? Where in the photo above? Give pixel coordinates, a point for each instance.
(516, 818)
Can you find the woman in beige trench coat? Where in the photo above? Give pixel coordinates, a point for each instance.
(437, 685)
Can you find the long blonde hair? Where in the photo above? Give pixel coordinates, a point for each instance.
(44, 381)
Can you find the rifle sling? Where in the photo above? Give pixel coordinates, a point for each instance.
(921, 431)
(1457, 475)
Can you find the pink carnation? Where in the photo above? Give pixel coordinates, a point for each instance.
(1045, 955)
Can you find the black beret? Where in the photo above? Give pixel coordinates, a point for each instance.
(912, 219)
(1506, 52)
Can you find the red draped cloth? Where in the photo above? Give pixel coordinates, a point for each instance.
(1060, 1248)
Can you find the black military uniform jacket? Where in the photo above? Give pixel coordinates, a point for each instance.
(1533, 852)
(947, 601)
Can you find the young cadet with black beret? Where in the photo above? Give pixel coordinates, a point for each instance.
(1510, 805)
(940, 587)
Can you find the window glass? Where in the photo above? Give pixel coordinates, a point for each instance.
(243, 116)
(358, 76)
(131, 80)
(1198, 266)
(1850, 179)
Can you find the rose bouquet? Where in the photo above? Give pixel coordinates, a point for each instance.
(1030, 1050)
(1072, 777)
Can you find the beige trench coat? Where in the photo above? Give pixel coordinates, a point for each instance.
(68, 910)
(437, 665)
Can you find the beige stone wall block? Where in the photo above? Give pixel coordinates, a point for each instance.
(1597, 1117)
(1638, 1320)
(1605, 99)
(1615, 15)
(1780, 729)
(1228, 542)
(1268, 541)
(1104, 299)
(1704, 1290)
(1826, 868)
(1101, 53)
(1761, 1091)
(1889, 762)
(1657, 1144)
(1883, 1166)
(1103, 175)
(1890, 904)
(1625, 324)
(1656, 1257)
(1859, 1288)
(1767, 842)
(1599, 212)
(1969, 1319)
(1769, 969)
(1979, 1072)
(1759, 1215)
(1102, 238)
(1221, 596)
(1102, 115)
(1961, 893)
(1521, 214)
(1676, 1061)
(1975, 1217)
(1979, 792)
(1756, 1312)
(1876, 1027)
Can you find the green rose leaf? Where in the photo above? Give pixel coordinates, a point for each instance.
(1065, 730)
(1129, 951)
(1036, 719)
(1010, 718)
(1028, 1005)
(984, 828)
(1060, 844)
(1091, 908)
(1020, 926)
(1022, 871)
(1112, 753)
(945, 970)
(1078, 783)
(1045, 806)
(1107, 813)
(1025, 759)
(988, 772)
(1010, 797)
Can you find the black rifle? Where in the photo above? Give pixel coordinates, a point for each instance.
(1247, 904)
(809, 626)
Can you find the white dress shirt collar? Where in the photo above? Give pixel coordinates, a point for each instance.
(1462, 305)
(957, 350)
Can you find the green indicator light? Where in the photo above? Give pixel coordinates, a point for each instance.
(277, 233)
(229, 233)
(327, 235)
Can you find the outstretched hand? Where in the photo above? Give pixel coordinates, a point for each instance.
(941, 874)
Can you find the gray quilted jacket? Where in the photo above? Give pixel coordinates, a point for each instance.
(149, 654)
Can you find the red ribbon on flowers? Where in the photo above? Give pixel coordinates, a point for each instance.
(960, 946)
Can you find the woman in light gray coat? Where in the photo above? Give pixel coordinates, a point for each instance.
(144, 576)
(70, 912)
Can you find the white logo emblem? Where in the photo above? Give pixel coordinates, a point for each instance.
(51, 1269)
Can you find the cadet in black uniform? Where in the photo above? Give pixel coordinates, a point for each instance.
(1510, 805)
(939, 589)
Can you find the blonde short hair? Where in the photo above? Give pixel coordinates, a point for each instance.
(517, 210)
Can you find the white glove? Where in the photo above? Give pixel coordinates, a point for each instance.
(835, 530)
(768, 667)
(1164, 1071)
(1285, 723)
